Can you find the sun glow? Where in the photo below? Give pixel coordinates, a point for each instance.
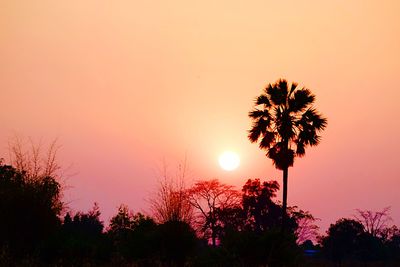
(229, 160)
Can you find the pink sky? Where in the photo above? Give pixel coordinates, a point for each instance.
(124, 84)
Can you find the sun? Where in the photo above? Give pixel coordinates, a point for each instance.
(229, 160)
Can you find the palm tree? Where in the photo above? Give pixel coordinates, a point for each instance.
(284, 124)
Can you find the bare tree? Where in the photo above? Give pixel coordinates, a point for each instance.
(35, 161)
(38, 162)
(208, 198)
(374, 222)
(170, 201)
(306, 227)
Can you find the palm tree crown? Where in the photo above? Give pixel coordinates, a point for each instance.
(285, 122)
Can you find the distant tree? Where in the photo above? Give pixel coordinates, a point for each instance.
(306, 227)
(170, 201)
(141, 243)
(82, 237)
(122, 221)
(343, 240)
(132, 234)
(176, 241)
(261, 211)
(34, 159)
(393, 245)
(268, 248)
(230, 219)
(209, 198)
(37, 162)
(29, 210)
(375, 222)
(285, 123)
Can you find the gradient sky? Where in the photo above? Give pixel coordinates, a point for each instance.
(124, 84)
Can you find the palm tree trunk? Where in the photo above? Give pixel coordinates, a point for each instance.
(284, 208)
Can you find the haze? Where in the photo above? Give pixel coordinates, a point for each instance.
(126, 84)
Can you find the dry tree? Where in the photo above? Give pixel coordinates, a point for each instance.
(33, 159)
(209, 198)
(38, 162)
(374, 222)
(170, 201)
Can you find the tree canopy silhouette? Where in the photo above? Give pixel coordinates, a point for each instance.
(209, 198)
(29, 209)
(284, 124)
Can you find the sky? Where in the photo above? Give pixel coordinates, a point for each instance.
(128, 85)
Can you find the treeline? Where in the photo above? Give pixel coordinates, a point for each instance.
(208, 224)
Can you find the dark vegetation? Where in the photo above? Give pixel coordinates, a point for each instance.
(206, 224)
(285, 122)
(238, 229)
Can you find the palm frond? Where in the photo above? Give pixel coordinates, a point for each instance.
(282, 158)
(278, 92)
(263, 100)
(267, 140)
(314, 119)
(254, 134)
(285, 123)
(256, 113)
(258, 128)
(292, 88)
(285, 126)
(301, 100)
(320, 122)
(300, 149)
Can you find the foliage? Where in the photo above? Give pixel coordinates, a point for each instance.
(133, 235)
(269, 248)
(306, 229)
(176, 242)
(261, 211)
(374, 222)
(351, 240)
(33, 159)
(245, 227)
(29, 210)
(81, 238)
(285, 122)
(209, 198)
(343, 240)
(170, 202)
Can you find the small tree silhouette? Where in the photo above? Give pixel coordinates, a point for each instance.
(170, 201)
(209, 198)
(284, 124)
(375, 222)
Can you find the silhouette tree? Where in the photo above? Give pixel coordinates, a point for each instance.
(343, 240)
(176, 241)
(132, 234)
(209, 198)
(306, 227)
(29, 210)
(81, 237)
(284, 124)
(34, 159)
(122, 221)
(170, 201)
(261, 211)
(374, 222)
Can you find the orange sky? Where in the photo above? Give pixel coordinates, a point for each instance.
(124, 84)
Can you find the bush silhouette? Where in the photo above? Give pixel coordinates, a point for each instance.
(29, 210)
(176, 242)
